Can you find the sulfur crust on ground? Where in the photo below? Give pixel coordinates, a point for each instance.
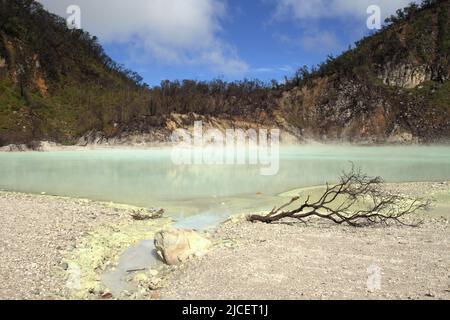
(44, 240)
(42, 236)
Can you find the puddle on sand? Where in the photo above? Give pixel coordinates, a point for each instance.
(143, 256)
(136, 258)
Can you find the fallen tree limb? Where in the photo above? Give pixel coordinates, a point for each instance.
(357, 200)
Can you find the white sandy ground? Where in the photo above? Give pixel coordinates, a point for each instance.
(324, 261)
(250, 261)
(319, 261)
(36, 232)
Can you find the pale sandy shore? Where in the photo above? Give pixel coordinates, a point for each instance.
(250, 261)
(36, 232)
(324, 261)
(319, 261)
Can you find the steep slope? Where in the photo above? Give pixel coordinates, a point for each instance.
(59, 85)
(394, 86)
(56, 83)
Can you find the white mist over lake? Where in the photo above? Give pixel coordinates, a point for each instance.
(149, 178)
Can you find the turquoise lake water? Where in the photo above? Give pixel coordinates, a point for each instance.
(150, 178)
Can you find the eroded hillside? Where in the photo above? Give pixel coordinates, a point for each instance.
(394, 86)
(59, 85)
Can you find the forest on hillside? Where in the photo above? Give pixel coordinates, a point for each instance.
(58, 83)
(383, 46)
(78, 87)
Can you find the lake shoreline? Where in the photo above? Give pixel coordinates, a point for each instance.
(48, 146)
(43, 235)
(256, 261)
(321, 260)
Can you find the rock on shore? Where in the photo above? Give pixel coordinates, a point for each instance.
(177, 245)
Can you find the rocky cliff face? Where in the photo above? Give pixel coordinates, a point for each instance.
(24, 67)
(405, 75)
(159, 130)
(59, 85)
(334, 111)
(393, 87)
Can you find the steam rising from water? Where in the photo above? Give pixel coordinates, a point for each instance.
(149, 177)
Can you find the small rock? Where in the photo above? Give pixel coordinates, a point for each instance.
(36, 292)
(141, 278)
(155, 295)
(155, 283)
(126, 293)
(64, 266)
(107, 295)
(153, 272)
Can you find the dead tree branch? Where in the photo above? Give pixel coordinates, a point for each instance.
(357, 200)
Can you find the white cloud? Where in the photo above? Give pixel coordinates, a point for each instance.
(320, 41)
(169, 31)
(309, 14)
(315, 9)
(285, 68)
(314, 40)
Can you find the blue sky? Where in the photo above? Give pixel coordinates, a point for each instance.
(229, 39)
